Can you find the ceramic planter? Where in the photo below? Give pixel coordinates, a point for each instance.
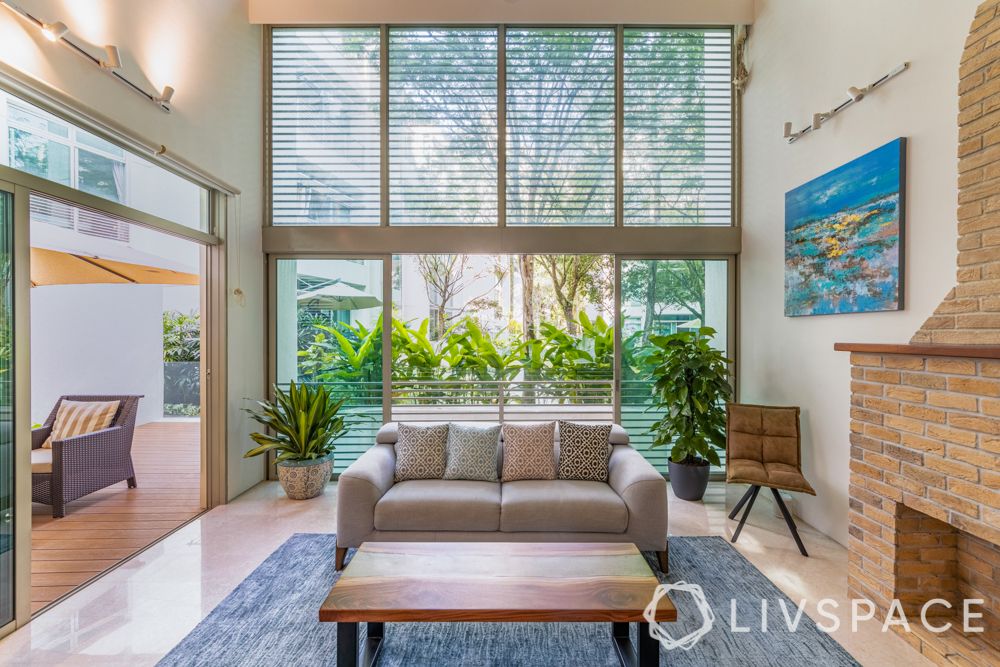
(302, 480)
(689, 481)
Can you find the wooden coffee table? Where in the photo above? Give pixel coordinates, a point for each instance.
(410, 582)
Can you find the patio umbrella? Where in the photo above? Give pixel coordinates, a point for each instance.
(339, 296)
(54, 267)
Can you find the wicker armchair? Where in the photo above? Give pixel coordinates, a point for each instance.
(86, 463)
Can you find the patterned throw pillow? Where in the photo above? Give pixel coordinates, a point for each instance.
(529, 451)
(472, 452)
(420, 452)
(80, 418)
(584, 451)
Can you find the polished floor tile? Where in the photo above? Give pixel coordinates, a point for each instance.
(137, 612)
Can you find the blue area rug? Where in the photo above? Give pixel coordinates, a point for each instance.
(271, 619)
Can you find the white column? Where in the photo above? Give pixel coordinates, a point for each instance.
(717, 302)
(288, 323)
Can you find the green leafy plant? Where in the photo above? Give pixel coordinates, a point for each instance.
(181, 336)
(304, 421)
(691, 387)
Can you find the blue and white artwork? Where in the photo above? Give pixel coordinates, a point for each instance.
(844, 237)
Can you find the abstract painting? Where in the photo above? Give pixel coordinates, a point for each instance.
(844, 237)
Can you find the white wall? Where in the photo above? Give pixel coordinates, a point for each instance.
(803, 56)
(210, 54)
(97, 339)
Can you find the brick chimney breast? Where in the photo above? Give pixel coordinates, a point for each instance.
(970, 312)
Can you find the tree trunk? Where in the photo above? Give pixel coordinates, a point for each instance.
(647, 326)
(527, 266)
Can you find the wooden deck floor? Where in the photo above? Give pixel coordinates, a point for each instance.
(110, 525)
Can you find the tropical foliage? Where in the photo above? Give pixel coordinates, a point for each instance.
(691, 388)
(302, 423)
(181, 336)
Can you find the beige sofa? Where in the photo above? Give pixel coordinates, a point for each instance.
(630, 507)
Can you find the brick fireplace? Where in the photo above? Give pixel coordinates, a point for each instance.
(925, 417)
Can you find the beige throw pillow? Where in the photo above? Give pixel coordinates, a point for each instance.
(529, 451)
(80, 418)
(420, 452)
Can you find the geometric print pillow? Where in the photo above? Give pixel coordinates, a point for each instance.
(420, 452)
(584, 451)
(529, 451)
(472, 452)
(80, 418)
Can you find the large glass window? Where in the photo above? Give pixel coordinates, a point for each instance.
(677, 155)
(329, 331)
(443, 126)
(325, 146)
(538, 113)
(560, 126)
(662, 297)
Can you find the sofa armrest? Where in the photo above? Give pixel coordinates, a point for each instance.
(359, 489)
(40, 435)
(100, 450)
(644, 491)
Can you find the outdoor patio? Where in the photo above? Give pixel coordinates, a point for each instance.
(110, 525)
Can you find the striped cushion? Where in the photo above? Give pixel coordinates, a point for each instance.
(81, 417)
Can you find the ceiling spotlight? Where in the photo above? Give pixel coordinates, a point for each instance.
(788, 130)
(113, 58)
(165, 96)
(54, 31)
(818, 119)
(856, 94)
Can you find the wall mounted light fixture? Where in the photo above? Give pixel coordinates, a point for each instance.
(111, 64)
(854, 96)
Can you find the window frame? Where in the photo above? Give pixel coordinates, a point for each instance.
(502, 144)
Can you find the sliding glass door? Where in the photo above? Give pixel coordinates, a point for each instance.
(6, 412)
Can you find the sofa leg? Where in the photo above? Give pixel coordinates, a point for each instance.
(58, 510)
(131, 482)
(664, 560)
(338, 560)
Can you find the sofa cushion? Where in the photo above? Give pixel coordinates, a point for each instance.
(41, 460)
(529, 451)
(80, 418)
(420, 452)
(440, 505)
(584, 451)
(561, 505)
(472, 452)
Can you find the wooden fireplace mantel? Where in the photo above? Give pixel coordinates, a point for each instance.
(929, 350)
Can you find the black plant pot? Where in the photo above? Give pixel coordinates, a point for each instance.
(689, 481)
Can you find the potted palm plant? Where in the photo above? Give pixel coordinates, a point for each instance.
(303, 423)
(691, 388)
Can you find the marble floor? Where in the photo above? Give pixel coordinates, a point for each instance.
(137, 612)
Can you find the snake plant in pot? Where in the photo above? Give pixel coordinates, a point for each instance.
(691, 389)
(303, 423)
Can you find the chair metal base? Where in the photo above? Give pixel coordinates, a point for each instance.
(748, 499)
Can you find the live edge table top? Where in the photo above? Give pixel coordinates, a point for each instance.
(494, 582)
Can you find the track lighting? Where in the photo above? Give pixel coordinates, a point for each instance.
(54, 31)
(854, 95)
(165, 96)
(113, 58)
(57, 31)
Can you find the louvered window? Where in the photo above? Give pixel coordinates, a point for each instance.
(443, 126)
(325, 126)
(87, 221)
(560, 126)
(677, 156)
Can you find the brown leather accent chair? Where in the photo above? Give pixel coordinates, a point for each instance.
(764, 448)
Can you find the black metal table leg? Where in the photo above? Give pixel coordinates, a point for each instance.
(649, 647)
(347, 644)
(648, 653)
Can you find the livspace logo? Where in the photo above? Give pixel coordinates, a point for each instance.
(788, 616)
